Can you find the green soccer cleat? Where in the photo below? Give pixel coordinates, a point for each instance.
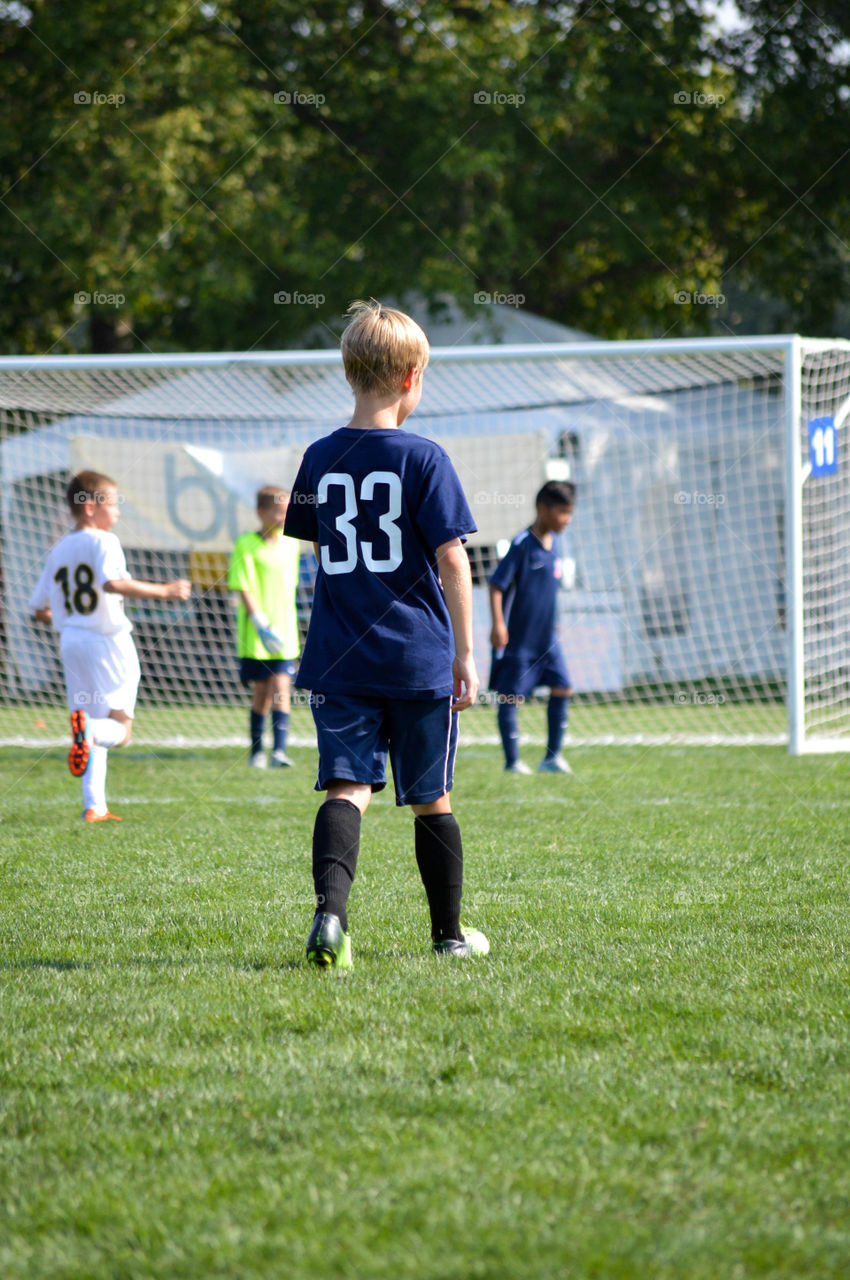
(474, 944)
(328, 946)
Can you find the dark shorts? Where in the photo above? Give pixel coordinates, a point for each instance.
(253, 669)
(356, 734)
(520, 675)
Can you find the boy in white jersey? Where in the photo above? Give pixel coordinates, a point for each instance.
(81, 592)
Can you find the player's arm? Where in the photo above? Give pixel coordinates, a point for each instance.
(39, 601)
(261, 624)
(499, 630)
(135, 589)
(456, 577)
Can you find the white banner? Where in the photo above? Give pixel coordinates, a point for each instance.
(182, 496)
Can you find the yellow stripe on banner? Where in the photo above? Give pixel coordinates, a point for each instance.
(208, 570)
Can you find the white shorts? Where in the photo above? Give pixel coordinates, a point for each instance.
(101, 672)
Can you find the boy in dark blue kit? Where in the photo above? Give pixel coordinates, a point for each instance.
(388, 655)
(523, 603)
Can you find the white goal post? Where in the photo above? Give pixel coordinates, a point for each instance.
(706, 573)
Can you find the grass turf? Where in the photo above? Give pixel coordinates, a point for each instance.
(648, 1076)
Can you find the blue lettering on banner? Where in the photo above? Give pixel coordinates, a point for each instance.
(221, 505)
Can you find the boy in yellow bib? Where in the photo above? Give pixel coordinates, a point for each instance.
(264, 570)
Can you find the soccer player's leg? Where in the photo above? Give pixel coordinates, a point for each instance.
(352, 758)
(261, 700)
(557, 711)
(509, 678)
(279, 685)
(423, 745)
(79, 755)
(101, 677)
(117, 685)
(80, 684)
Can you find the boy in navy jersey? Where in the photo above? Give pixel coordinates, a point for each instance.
(523, 599)
(388, 655)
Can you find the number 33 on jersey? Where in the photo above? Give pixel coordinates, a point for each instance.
(389, 481)
(378, 502)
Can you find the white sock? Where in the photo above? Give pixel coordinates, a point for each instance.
(94, 779)
(108, 732)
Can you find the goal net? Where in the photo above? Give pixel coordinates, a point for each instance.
(705, 575)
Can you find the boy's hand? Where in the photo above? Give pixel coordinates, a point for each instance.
(269, 637)
(179, 589)
(465, 682)
(498, 635)
(272, 641)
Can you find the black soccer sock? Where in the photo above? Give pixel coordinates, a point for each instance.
(336, 844)
(280, 729)
(509, 730)
(258, 723)
(556, 717)
(439, 856)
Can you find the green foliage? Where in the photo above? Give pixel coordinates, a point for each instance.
(646, 1077)
(586, 187)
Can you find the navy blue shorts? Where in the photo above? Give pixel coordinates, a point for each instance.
(519, 676)
(253, 669)
(356, 734)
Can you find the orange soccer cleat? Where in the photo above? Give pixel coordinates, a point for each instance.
(91, 816)
(81, 737)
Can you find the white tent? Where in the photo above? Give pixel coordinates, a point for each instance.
(662, 557)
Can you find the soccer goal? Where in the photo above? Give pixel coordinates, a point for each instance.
(706, 574)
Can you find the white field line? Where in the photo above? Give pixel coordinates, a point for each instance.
(478, 740)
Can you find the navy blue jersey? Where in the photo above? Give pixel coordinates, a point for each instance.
(528, 578)
(378, 502)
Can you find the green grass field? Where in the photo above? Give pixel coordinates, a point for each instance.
(648, 1077)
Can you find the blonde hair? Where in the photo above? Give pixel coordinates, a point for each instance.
(379, 348)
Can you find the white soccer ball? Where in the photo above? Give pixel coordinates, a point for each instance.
(477, 941)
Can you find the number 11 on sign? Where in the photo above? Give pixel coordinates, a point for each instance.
(823, 446)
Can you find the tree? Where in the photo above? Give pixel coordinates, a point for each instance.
(240, 172)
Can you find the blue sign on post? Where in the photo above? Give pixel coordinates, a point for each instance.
(823, 446)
